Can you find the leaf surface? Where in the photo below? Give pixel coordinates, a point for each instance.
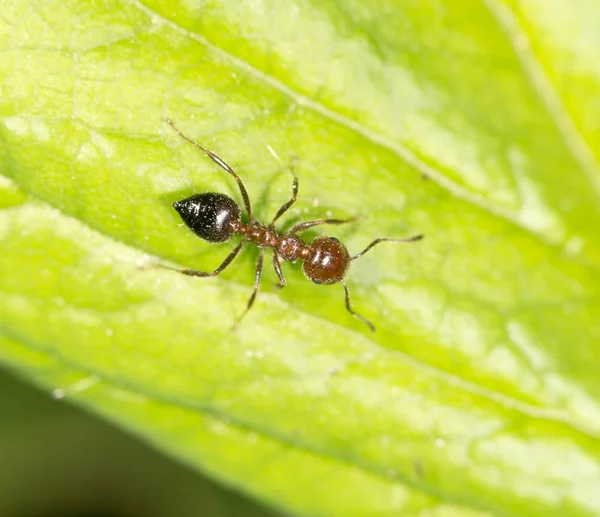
(472, 123)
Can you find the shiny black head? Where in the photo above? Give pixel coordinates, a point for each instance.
(209, 215)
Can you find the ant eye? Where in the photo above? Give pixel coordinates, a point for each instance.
(317, 281)
(334, 239)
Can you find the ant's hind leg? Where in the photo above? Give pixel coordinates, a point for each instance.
(193, 272)
(277, 266)
(221, 163)
(300, 227)
(355, 314)
(259, 268)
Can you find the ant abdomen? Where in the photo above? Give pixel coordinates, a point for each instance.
(209, 215)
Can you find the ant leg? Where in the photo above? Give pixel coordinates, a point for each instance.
(377, 241)
(259, 267)
(284, 208)
(300, 227)
(221, 164)
(277, 266)
(192, 272)
(355, 314)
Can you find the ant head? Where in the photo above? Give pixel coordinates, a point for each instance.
(210, 216)
(327, 261)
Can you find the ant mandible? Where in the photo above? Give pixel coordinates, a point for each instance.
(215, 217)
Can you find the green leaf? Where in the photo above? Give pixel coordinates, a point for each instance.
(474, 123)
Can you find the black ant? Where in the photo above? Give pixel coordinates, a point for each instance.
(215, 217)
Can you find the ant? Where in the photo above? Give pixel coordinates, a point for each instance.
(215, 217)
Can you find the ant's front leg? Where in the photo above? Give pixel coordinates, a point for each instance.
(300, 227)
(277, 266)
(284, 208)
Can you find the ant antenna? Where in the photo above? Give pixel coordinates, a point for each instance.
(355, 314)
(384, 239)
(358, 255)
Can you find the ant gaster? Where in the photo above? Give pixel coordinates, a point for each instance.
(215, 217)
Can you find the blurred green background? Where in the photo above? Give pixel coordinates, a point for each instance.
(58, 461)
